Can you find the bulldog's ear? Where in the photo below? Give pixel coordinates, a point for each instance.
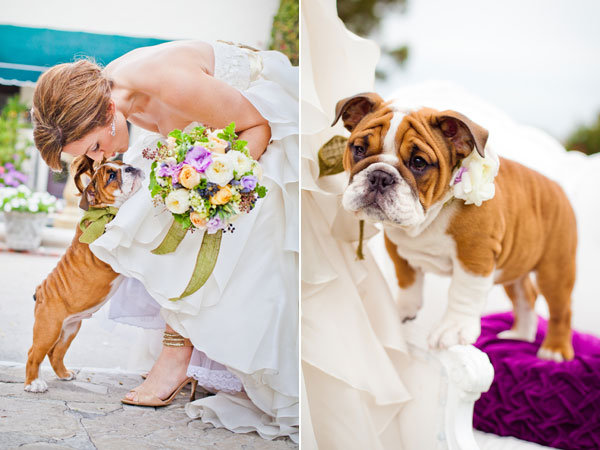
(353, 109)
(82, 167)
(88, 196)
(463, 133)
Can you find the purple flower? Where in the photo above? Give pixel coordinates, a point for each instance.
(214, 225)
(248, 182)
(199, 158)
(458, 178)
(13, 177)
(170, 170)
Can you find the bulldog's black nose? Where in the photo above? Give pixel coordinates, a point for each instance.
(131, 169)
(380, 180)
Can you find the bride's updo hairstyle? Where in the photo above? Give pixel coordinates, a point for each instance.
(69, 101)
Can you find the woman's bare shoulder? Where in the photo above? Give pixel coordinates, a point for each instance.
(147, 69)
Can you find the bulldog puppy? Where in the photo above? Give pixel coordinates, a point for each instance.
(80, 283)
(402, 165)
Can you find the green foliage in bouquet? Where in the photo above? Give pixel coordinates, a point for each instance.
(285, 34)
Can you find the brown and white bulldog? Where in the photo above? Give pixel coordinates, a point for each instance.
(402, 165)
(80, 283)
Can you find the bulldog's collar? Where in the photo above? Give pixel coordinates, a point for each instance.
(93, 222)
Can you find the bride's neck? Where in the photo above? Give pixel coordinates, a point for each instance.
(127, 100)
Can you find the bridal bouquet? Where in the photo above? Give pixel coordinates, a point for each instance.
(206, 178)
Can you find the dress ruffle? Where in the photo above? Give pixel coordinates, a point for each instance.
(351, 338)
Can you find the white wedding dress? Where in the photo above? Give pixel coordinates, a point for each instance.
(243, 322)
(352, 343)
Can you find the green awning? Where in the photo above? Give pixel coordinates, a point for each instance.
(27, 52)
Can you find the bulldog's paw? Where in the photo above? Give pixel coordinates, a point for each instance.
(408, 311)
(517, 335)
(408, 307)
(37, 385)
(455, 330)
(70, 375)
(556, 353)
(549, 355)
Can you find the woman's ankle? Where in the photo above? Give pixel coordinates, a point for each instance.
(174, 339)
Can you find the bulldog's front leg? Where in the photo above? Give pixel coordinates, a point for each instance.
(410, 281)
(461, 323)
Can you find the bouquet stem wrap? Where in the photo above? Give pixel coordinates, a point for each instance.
(205, 262)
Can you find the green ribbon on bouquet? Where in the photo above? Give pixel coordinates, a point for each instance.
(331, 162)
(205, 261)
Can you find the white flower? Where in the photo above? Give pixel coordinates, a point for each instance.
(220, 170)
(241, 163)
(215, 144)
(162, 181)
(33, 207)
(7, 207)
(24, 189)
(257, 170)
(171, 141)
(473, 181)
(197, 202)
(7, 192)
(178, 201)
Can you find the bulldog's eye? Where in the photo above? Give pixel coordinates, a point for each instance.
(359, 151)
(112, 176)
(418, 163)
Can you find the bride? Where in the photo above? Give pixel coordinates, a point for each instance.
(237, 335)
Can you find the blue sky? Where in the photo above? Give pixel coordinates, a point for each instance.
(539, 61)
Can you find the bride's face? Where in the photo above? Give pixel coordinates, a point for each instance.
(100, 143)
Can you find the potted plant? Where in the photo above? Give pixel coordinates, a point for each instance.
(25, 212)
(25, 215)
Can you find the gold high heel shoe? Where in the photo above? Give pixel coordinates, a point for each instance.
(169, 340)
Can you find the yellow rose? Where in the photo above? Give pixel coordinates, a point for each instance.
(188, 177)
(216, 144)
(222, 196)
(197, 219)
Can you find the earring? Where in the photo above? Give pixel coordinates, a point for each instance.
(112, 128)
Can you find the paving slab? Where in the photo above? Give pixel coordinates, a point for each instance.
(86, 413)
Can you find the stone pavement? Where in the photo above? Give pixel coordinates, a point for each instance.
(86, 413)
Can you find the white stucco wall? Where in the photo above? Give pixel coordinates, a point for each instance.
(243, 21)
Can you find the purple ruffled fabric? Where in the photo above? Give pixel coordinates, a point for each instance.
(553, 404)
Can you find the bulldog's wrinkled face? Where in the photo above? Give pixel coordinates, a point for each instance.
(401, 162)
(112, 183)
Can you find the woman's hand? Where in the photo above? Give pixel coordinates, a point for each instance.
(258, 138)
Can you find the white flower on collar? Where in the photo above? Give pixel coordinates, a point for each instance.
(473, 181)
